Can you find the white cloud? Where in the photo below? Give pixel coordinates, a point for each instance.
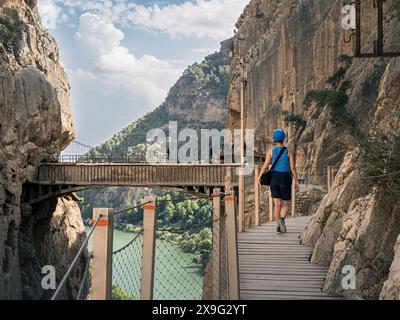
(198, 18)
(116, 68)
(201, 18)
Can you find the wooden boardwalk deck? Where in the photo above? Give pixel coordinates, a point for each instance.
(276, 267)
(135, 174)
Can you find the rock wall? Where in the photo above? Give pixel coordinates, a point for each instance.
(191, 99)
(284, 50)
(36, 124)
(391, 288)
(351, 226)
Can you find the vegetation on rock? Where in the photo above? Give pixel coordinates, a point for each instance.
(371, 85)
(291, 118)
(11, 28)
(211, 75)
(336, 98)
(397, 9)
(380, 159)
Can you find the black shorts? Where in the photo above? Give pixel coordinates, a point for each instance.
(281, 185)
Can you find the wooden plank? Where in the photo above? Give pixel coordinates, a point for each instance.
(268, 284)
(275, 296)
(276, 266)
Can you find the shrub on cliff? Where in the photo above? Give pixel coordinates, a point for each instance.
(371, 85)
(380, 161)
(336, 98)
(291, 118)
(345, 63)
(397, 9)
(11, 28)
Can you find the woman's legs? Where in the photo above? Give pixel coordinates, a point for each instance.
(285, 209)
(277, 209)
(281, 208)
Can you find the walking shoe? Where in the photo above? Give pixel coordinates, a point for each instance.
(282, 225)
(278, 230)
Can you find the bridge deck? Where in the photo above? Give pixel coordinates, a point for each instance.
(135, 175)
(275, 266)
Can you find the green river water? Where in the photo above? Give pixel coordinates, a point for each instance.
(176, 277)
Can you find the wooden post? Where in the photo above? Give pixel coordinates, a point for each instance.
(148, 249)
(102, 254)
(256, 196)
(271, 206)
(293, 201)
(242, 183)
(231, 236)
(241, 200)
(216, 243)
(223, 277)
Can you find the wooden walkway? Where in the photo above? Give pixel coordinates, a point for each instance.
(135, 174)
(276, 267)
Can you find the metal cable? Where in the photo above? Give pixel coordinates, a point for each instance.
(129, 243)
(70, 268)
(131, 208)
(83, 283)
(203, 225)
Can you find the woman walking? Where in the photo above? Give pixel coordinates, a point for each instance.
(282, 175)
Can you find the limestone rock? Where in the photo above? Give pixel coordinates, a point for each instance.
(35, 125)
(391, 288)
(289, 48)
(308, 200)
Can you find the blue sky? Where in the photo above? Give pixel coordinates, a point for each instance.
(122, 56)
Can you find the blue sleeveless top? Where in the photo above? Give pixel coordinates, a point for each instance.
(283, 164)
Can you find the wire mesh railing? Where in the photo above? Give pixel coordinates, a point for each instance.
(215, 279)
(178, 276)
(190, 262)
(126, 270)
(186, 262)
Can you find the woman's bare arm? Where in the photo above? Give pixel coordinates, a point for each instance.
(268, 158)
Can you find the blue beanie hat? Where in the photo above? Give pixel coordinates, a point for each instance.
(279, 135)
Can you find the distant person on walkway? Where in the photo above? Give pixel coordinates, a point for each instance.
(282, 176)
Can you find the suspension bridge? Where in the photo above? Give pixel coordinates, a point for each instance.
(254, 264)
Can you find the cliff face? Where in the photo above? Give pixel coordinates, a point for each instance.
(301, 77)
(200, 94)
(36, 123)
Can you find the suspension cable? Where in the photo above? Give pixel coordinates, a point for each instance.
(78, 296)
(196, 227)
(129, 243)
(131, 208)
(82, 144)
(83, 246)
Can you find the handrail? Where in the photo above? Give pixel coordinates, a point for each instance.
(72, 265)
(78, 296)
(142, 164)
